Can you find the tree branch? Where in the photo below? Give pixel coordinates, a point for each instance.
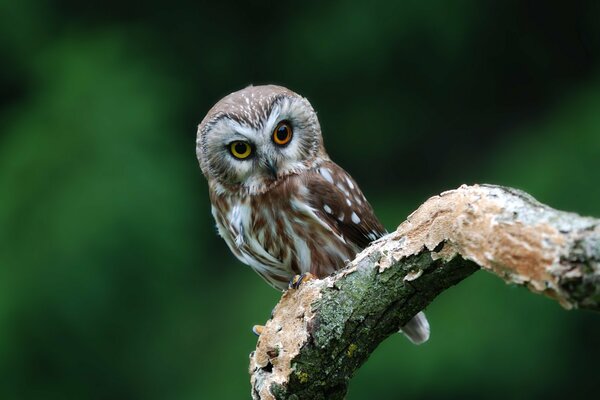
(323, 332)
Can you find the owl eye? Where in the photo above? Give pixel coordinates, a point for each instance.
(240, 149)
(282, 133)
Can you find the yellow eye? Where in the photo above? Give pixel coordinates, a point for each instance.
(282, 133)
(240, 150)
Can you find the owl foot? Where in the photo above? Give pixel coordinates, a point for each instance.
(258, 329)
(300, 279)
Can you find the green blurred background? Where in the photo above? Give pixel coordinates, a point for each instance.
(113, 283)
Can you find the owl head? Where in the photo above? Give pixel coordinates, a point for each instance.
(254, 137)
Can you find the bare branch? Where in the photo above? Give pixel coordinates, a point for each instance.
(323, 332)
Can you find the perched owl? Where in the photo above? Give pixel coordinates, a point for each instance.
(283, 207)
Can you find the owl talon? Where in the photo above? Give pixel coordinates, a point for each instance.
(300, 279)
(258, 329)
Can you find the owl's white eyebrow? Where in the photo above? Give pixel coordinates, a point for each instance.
(241, 130)
(237, 137)
(273, 117)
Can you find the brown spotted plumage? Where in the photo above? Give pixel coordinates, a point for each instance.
(282, 206)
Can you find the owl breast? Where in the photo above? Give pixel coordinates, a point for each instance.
(280, 233)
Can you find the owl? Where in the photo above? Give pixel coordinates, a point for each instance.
(279, 202)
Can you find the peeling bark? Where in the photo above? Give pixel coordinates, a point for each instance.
(323, 332)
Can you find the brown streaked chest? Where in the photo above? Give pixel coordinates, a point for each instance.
(261, 225)
(280, 232)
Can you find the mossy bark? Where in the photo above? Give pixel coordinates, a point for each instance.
(321, 333)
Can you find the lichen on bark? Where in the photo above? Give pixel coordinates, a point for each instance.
(323, 332)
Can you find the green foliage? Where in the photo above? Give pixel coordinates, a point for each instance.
(113, 283)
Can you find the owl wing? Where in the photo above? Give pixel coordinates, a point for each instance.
(342, 205)
(336, 196)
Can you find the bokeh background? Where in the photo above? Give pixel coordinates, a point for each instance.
(113, 283)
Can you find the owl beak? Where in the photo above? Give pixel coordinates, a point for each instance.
(271, 168)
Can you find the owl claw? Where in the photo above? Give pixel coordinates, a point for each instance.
(258, 329)
(300, 279)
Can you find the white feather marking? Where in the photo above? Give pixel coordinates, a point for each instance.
(303, 191)
(350, 184)
(302, 254)
(243, 129)
(273, 117)
(341, 217)
(289, 231)
(326, 173)
(355, 218)
(327, 209)
(417, 329)
(335, 251)
(343, 189)
(348, 202)
(239, 218)
(261, 236)
(299, 221)
(297, 205)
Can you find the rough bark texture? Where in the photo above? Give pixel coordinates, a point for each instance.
(321, 333)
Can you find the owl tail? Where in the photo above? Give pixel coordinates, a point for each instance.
(417, 329)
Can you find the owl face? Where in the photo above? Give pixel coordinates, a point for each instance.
(253, 138)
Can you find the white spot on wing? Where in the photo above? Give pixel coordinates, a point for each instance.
(348, 202)
(355, 218)
(326, 174)
(350, 184)
(327, 209)
(341, 217)
(342, 188)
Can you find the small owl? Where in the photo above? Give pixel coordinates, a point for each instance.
(280, 203)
